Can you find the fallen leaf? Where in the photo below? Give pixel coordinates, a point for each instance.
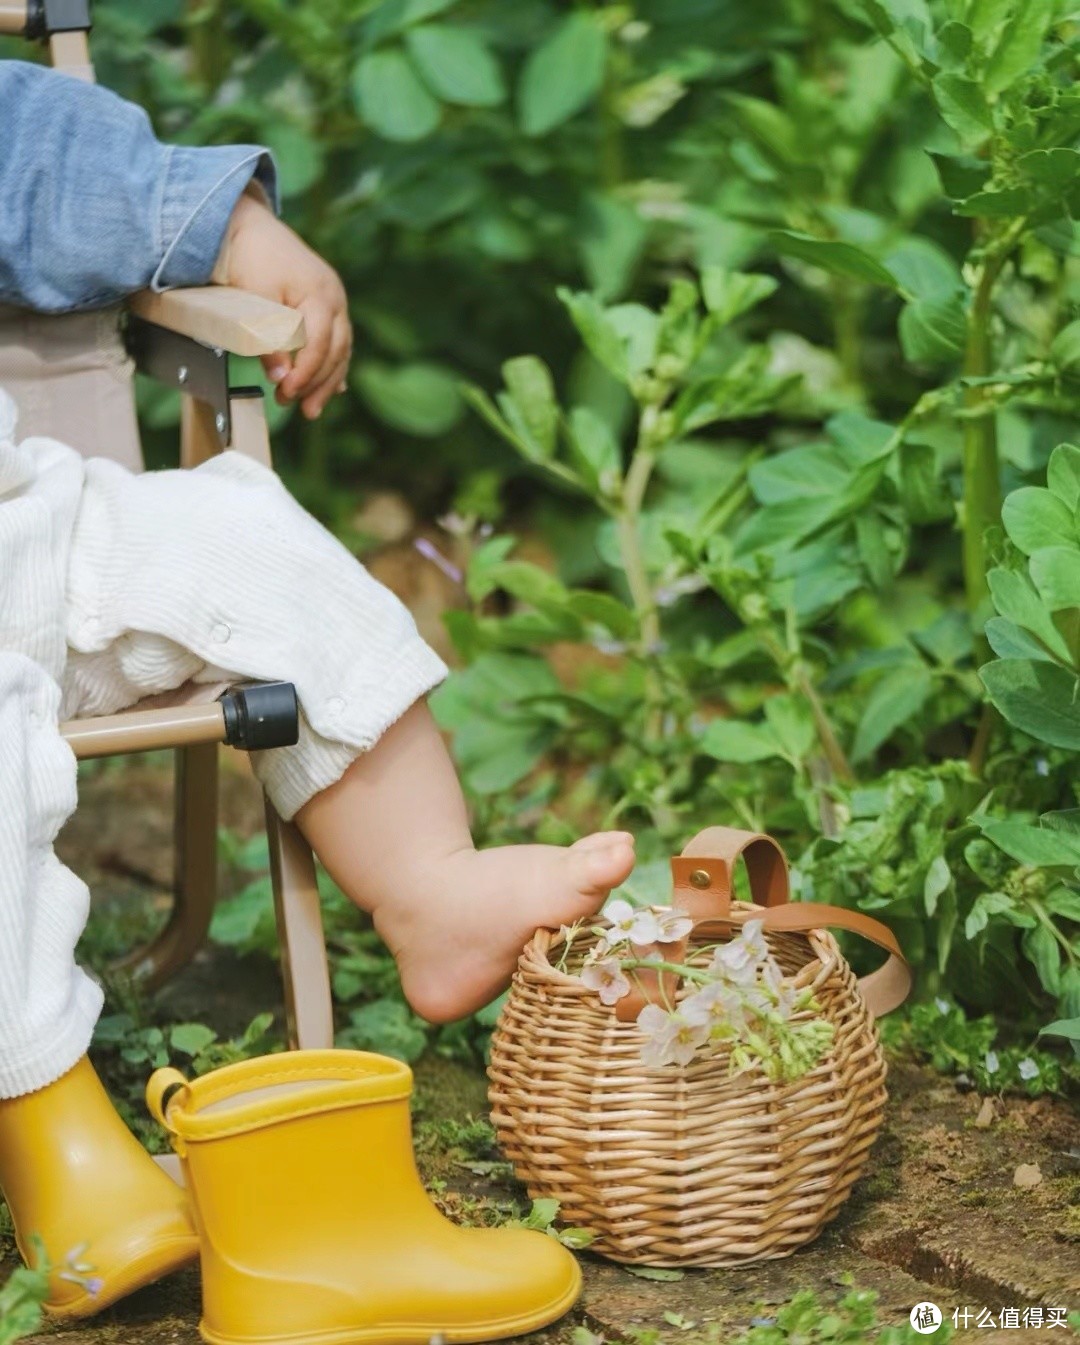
(1027, 1175)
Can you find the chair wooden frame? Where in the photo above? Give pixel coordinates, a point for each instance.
(219, 319)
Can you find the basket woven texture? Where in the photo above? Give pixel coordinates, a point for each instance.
(689, 1165)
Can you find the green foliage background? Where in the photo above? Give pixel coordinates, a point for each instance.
(747, 318)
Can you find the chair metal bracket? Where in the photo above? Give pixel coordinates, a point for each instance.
(189, 366)
(46, 17)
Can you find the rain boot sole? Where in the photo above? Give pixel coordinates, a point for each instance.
(402, 1333)
(157, 1261)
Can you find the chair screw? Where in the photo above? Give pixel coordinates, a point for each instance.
(182, 374)
(219, 422)
(700, 878)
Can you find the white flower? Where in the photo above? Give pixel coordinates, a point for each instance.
(605, 976)
(673, 924)
(669, 1037)
(714, 1006)
(739, 960)
(1027, 1068)
(942, 1006)
(991, 1062)
(637, 924)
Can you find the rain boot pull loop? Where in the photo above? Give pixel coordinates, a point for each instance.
(158, 1092)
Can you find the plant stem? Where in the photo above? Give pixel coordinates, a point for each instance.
(795, 674)
(982, 473)
(633, 559)
(629, 528)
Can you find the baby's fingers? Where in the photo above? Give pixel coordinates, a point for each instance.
(277, 365)
(310, 364)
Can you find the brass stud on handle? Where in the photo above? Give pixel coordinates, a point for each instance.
(700, 878)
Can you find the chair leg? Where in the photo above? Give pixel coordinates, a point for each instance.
(304, 967)
(195, 886)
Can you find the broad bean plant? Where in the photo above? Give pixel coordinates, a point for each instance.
(738, 348)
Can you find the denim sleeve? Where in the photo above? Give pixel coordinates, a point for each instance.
(93, 207)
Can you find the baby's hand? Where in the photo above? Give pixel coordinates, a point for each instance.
(264, 256)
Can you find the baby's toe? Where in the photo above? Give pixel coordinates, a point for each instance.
(600, 862)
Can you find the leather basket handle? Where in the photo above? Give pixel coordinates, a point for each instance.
(702, 886)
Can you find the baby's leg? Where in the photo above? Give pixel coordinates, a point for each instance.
(394, 834)
(219, 565)
(48, 1007)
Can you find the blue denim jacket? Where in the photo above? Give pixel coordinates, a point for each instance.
(93, 206)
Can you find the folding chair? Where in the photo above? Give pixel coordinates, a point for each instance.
(71, 377)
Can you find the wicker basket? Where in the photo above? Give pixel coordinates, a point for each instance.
(694, 1166)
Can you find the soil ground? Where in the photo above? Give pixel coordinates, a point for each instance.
(937, 1216)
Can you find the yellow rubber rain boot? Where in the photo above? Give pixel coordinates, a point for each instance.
(74, 1175)
(314, 1226)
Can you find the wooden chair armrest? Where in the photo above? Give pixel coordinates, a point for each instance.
(13, 16)
(219, 315)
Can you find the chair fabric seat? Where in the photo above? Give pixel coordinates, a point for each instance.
(71, 379)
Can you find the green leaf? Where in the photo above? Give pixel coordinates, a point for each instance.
(1039, 698)
(657, 1273)
(842, 259)
(456, 64)
(563, 74)
(386, 1026)
(1007, 203)
(1055, 168)
(923, 268)
(391, 98)
(961, 175)
(986, 17)
(963, 106)
(771, 128)
(792, 725)
(727, 294)
(895, 699)
(990, 904)
(1069, 1028)
(1009, 640)
(191, 1038)
(1041, 948)
(604, 610)
(598, 332)
(933, 331)
(1015, 598)
(420, 398)
(1034, 518)
(392, 16)
(1065, 347)
(731, 740)
(611, 240)
(1020, 44)
(1063, 475)
(1037, 846)
(1056, 572)
(297, 155)
(924, 498)
(905, 23)
(521, 579)
(528, 381)
(938, 879)
(595, 450)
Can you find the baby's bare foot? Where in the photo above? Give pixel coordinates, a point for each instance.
(457, 943)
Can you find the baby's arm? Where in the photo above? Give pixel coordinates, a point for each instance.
(94, 207)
